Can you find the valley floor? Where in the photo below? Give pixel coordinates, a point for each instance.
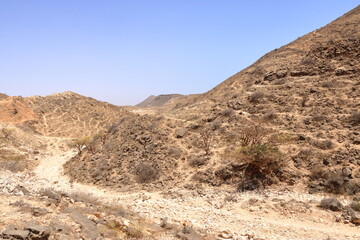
(280, 213)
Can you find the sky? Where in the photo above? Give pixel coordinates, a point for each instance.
(122, 51)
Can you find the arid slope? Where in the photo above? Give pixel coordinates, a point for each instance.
(307, 90)
(63, 114)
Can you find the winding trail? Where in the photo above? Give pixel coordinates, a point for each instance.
(209, 212)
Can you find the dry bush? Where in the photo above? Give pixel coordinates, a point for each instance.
(101, 136)
(318, 118)
(305, 155)
(216, 125)
(323, 144)
(84, 142)
(258, 159)
(334, 182)
(13, 162)
(116, 210)
(146, 173)
(304, 100)
(6, 132)
(227, 112)
(15, 166)
(264, 165)
(281, 138)
(77, 196)
(256, 97)
(355, 205)
(135, 231)
(7, 155)
(355, 118)
(308, 61)
(206, 138)
(51, 193)
(329, 84)
(197, 161)
(253, 134)
(84, 197)
(270, 115)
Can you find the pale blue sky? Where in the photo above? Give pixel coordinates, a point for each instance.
(123, 51)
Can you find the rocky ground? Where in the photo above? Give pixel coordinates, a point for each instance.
(45, 202)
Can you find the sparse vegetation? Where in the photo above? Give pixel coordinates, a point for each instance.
(14, 165)
(323, 144)
(264, 165)
(304, 100)
(146, 173)
(6, 132)
(227, 112)
(206, 138)
(334, 182)
(197, 161)
(253, 134)
(135, 231)
(270, 115)
(256, 97)
(258, 157)
(12, 161)
(101, 136)
(355, 205)
(355, 118)
(84, 142)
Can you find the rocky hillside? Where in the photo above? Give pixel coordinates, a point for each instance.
(64, 114)
(305, 94)
(2, 96)
(137, 150)
(158, 101)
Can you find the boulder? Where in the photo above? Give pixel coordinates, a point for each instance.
(331, 203)
(38, 231)
(15, 234)
(355, 217)
(188, 233)
(88, 227)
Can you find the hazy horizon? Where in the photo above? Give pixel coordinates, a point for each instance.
(124, 51)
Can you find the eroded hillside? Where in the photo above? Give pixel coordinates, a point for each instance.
(64, 114)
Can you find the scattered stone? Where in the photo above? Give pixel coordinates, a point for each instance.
(16, 234)
(180, 133)
(164, 223)
(331, 203)
(21, 189)
(355, 217)
(40, 231)
(88, 228)
(188, 233)
(226, 235)
(38, 211)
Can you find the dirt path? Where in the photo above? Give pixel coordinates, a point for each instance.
(208, 210)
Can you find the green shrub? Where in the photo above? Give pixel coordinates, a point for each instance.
(264, 165)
